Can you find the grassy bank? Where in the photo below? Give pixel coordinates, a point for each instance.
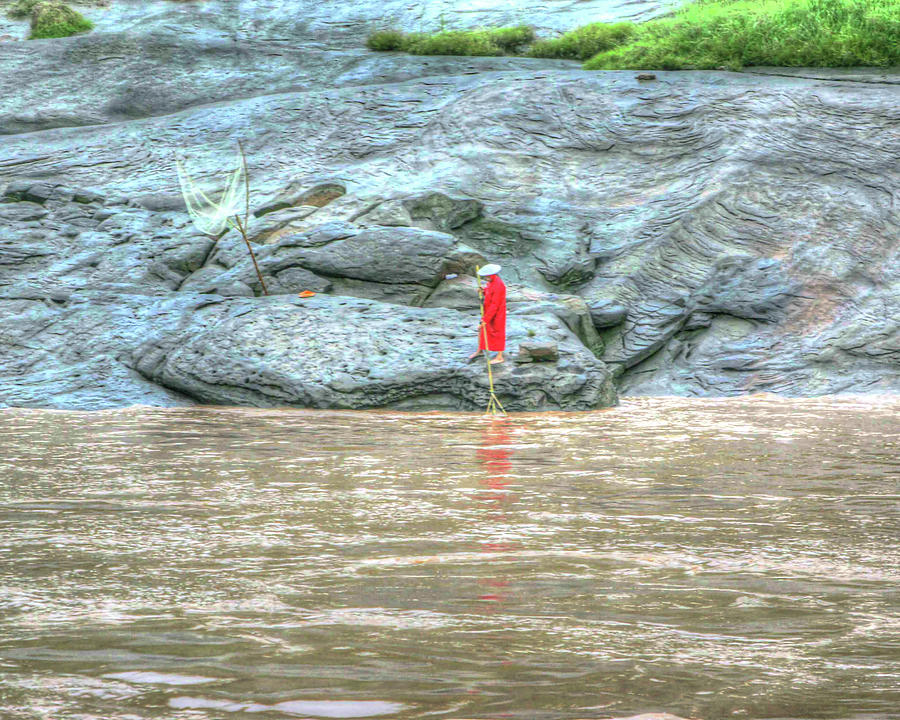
(49, 18)
(701, 35)
(55, 20)
(489, 41)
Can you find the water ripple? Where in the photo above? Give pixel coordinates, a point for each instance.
(727, 558)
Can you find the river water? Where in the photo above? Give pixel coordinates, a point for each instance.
(733, 558)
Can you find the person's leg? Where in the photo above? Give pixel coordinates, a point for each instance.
(498, 358)
(474, 355)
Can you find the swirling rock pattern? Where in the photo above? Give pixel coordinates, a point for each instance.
(725, 232)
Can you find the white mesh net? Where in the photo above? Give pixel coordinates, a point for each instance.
(211, 210)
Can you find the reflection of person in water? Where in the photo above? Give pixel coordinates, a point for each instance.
(494, 455)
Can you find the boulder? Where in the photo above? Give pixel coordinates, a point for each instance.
(277, 223)
(537, 352)
(22, 212)
(607, 313)
(401, 262)
(25, 191)
(387, 213)
(339, 352)
(437, 211)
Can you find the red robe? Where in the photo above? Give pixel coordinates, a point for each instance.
(494, 316)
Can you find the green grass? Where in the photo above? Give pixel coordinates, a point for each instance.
(704, 34)
(584, 42)
(511, 39)
(483, 41)
(55, 20)
(789, 33)
(386, 40)
(22, 9)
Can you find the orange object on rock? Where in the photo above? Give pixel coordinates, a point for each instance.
(306, 293)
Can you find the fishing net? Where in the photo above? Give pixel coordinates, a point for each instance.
(211, 206)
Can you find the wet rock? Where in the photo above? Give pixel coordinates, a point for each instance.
(88, 197)
(389, 255)
(277, 223)
(66, 348)
(22, 212)
(747, 287)
(436, 211)
(461, 293)
(537, 352)
(395, 262)
(160, 201)
(388, 213)
(429, 211)
(343, 352)
(463, 260)
(212, 281)
(568, 272)
(458, 293)
(296, 279)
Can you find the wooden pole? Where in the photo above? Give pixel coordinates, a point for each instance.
(242, 227)
(494, 405)
(243, 231)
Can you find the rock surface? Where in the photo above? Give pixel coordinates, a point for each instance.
(285, 351)
(708, 233)
(537, 352)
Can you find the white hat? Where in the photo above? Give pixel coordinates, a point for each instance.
(489, 269)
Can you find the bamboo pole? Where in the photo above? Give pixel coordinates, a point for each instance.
(243, 231)
(242, 227)
(494, 405)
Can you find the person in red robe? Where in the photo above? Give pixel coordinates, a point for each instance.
(492, 330)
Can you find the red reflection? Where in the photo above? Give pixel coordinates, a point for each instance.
(494, 453)
(495, 456)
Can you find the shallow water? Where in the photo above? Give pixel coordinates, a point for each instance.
(710, 558)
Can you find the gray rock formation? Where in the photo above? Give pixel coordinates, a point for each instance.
(704, 234)
(342, 352)
(537, 352)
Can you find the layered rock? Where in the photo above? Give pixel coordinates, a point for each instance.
(703, 233)
(385, 263)
(115, 304)
(341, 352)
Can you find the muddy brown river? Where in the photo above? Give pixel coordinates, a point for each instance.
(733, 558)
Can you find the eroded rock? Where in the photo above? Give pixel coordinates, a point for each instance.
(537, 352)
(724, 232)
(341, 256)
(343, 352)
(302, 193)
